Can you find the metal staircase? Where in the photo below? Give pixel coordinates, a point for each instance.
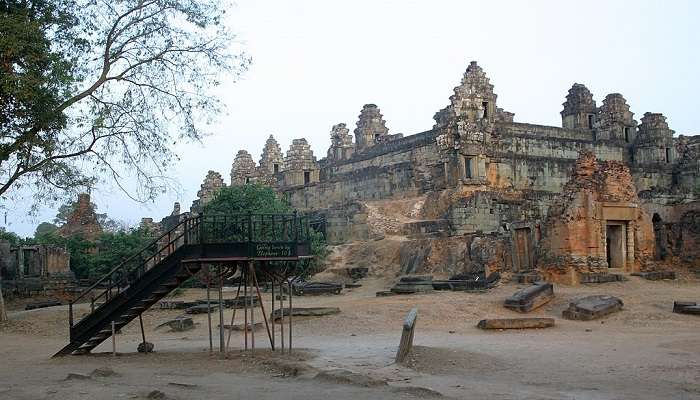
(143, 279)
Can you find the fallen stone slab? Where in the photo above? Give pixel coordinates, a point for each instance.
(413, 284)
(530, 298)
(353, 285)
(236, 302)
(305, 312)
(77, 376)
(42, 304)
(179, 324)
(656, 275)
(385, 293)
(201, 309)
(316, 288)
(516, 323)
(239, 327)
(601, 277)
(592, 307)
(686, 307)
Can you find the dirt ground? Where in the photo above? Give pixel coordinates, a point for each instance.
(643, 352)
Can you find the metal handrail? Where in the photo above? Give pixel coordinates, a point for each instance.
(196, 232)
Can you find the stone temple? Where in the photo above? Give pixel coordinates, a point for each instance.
(603, 191)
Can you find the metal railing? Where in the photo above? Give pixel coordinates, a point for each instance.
(202, 229)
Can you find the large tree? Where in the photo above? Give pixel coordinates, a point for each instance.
(103, 89)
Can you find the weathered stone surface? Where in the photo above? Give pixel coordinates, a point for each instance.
(82, 221)
(686, 307)
(656, 275)
(371, 128)
(240, 327)
(145, 347)
(179, 324)
(316, 288)
(201, 309)
(600, 277)
(305, 312)
(516, 323)
(530, 298)
(592, 307)
(212, 183)
(413, 284)
(243, 170)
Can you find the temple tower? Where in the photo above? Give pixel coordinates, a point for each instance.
(272, 159)
(466, 128)
(370, 127)
(654, 144)
(243, 169)
(341, 143)
(212, 183)
(579, 108)
(300, 166)
(615, 121)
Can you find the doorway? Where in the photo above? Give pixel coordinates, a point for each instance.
(522, 248)
(615, 242)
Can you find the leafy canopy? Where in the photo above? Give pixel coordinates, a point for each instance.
(251, 198)
(101, 90)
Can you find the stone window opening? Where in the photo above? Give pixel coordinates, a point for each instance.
(468, 171)
(276, 168)
(590, 121)
(307, 177)
(668, 155)
(627, 134)
(485, 104)
(247, 180)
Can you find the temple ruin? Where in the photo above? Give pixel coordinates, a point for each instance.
(600, 192)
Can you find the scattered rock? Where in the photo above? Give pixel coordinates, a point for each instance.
(417, 391)
(601, 277)
(179, 324)
(358, 272)
(305, 312)
(413, 284)
(145, 347)
(385, 293)
(157, 395)
(592, 307)
(183, 385)
(201, 309)
(656, 275)
(526, 277)
(315, 288)
(530, 298)
(686, 307)
(77, 376)
(239, 327)
(343, 376)
(516, 323)
(103, 372)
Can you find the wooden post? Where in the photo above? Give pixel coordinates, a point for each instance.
(143, 333)
(282, 316)
(262, 308)
(221, 311)
(245, 308)
(406, 344)
(114, 340)
(233, 315)
(290, 316)
(272, 322)
(211, 340)
(252, 311)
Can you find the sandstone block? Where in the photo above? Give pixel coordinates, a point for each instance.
(516, 323)
(592, 307)
(530, 298)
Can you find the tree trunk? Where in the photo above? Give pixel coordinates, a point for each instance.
(3, 312)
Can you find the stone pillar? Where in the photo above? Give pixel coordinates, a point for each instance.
(630, 246)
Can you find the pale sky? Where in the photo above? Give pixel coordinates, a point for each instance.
(315, 63)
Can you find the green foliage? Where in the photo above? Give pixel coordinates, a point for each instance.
(91, 89)
(11, 237)
(253, 198)
(94, 259)
(44, 228)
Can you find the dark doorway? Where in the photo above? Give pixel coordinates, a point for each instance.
(522, 248)
(615, 246)
(276, 168)
(468, 167)
(307, 177)
(590, 121)
(660, 250)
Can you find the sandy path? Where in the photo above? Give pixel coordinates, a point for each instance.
(643, 352)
